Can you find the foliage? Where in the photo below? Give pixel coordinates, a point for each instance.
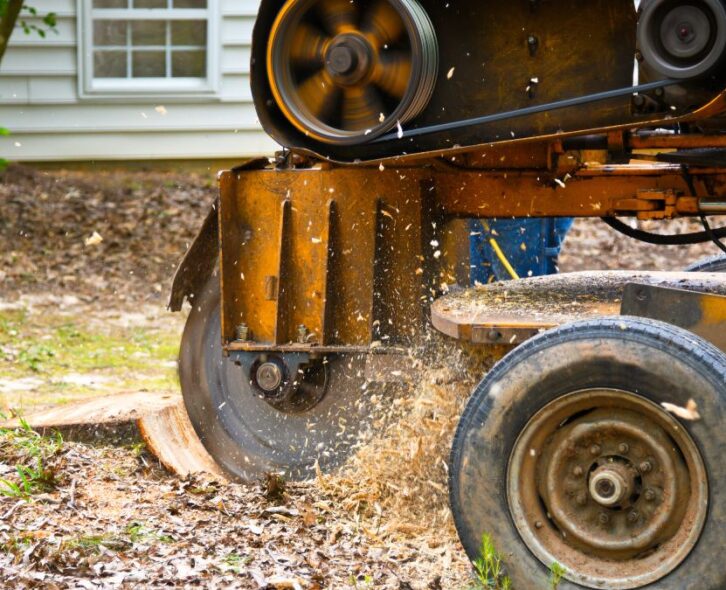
(33, 454)
(137, 532)
(489, 569)
(49, 20)
(234, 562)
(32, 480)
(557, 572)
(35, 355)
(3, 133)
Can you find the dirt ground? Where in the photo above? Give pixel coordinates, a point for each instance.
(85, 265)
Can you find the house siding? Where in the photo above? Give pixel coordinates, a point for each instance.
(40, 102)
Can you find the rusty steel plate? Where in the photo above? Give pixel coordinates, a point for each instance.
(511, 312)
(701, 313)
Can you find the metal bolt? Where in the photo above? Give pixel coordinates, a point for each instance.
(633, 516)
(578, 471)
(645, 467)
(581, 498)
(595, 449)
(623, 448)
(533, 44)
(538, 525)
(603, 517)
(649, 495)
(302, 334)
(242, 332)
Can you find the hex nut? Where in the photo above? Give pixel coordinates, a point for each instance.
(645, 467)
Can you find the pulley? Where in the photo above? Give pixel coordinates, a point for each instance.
(683, 39)
(344, 71)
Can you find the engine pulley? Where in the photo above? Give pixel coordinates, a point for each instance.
(346, 72)
(683, 39)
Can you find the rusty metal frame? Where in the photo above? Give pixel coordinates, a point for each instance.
(327, 258)
(703, 314)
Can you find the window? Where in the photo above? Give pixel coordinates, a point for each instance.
(147, 47)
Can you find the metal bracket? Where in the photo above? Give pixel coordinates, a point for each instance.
(703, 314)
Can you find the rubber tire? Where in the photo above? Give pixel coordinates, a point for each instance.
(653, 359)
(711, 264)
(252, 438)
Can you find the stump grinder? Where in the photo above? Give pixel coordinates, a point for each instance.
(597, 441)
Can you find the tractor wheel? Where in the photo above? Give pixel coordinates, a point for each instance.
(566, 454)
(246, 434)
(711, 264)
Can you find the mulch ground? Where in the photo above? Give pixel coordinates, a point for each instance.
(147, 219)
(116, 519)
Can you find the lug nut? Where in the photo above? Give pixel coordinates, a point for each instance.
(603, 518)
(633, 516)
(645, 467)
(595, 449)
(578, 471)
(649, 495)
(538, 525)
(623, 448)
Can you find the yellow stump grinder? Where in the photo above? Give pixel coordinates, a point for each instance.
(597, 441)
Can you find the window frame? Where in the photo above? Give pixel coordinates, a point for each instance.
(90, 87)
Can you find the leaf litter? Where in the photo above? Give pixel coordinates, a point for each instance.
(115, 519)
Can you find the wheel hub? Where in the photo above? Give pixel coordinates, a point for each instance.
(683, 40)
(269, 376)
(348, 60)
(604, 477)
(611, 484)
(685, 31)
(291, 383)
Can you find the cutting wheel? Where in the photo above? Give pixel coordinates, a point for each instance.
(246, 434)
(345, 72)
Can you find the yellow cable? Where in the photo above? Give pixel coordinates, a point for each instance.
(500, 253)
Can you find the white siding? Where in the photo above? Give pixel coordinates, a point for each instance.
(40, 103)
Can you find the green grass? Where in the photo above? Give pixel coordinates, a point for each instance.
(557, 572)
(52, 351)
(90, 544)
(362, 582)
(137, 532)
(31, 480)
(236, 563)
(33, 457)
(489, 568)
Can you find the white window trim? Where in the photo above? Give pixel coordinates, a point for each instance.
(143, 89)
